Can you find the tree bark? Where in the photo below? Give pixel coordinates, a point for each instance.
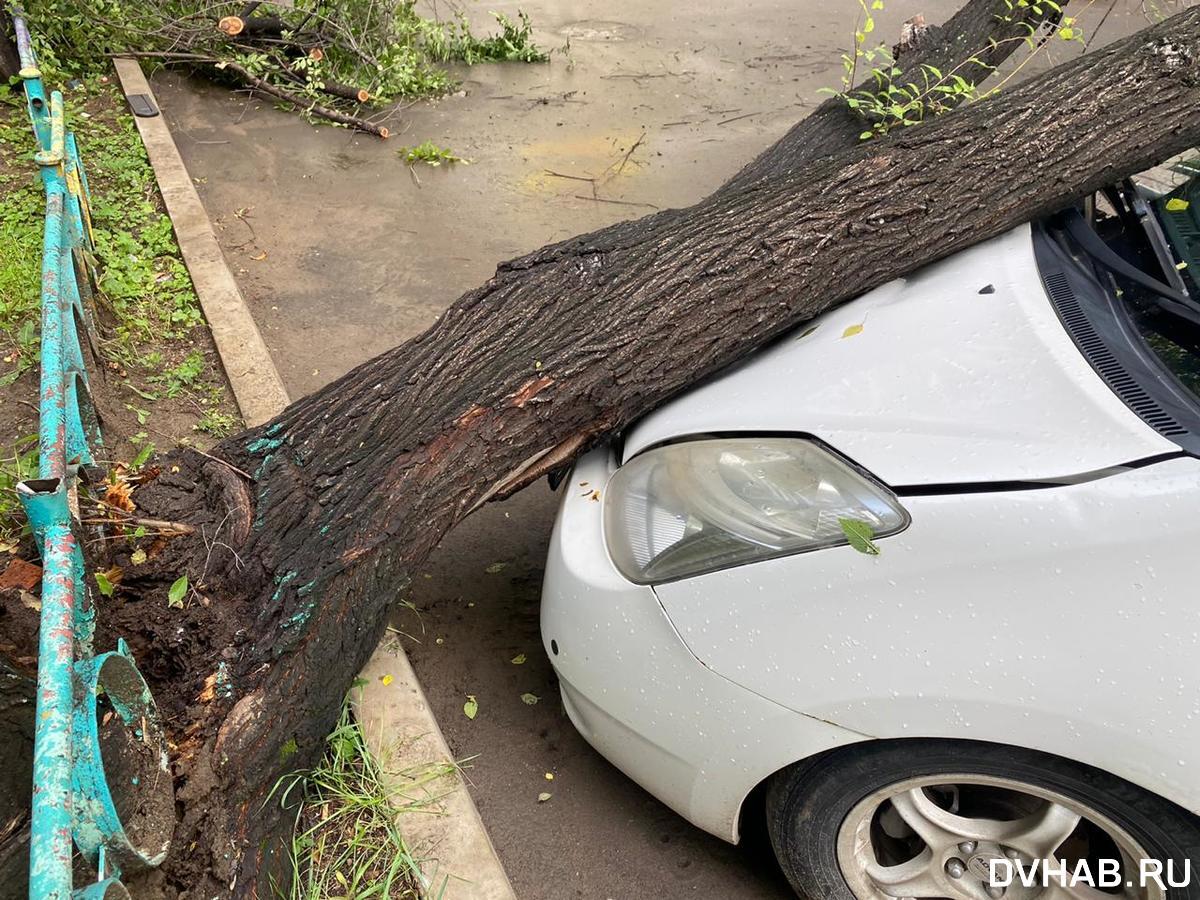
(351, 487)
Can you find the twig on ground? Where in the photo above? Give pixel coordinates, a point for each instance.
(618, 202)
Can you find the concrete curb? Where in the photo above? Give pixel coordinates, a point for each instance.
(456, 854)
(458, 859)
(256, 383)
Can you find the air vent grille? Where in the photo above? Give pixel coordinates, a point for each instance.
(1103, 361)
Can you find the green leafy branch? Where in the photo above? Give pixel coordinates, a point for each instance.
(900, 99)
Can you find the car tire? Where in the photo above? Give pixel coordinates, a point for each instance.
(820, 811)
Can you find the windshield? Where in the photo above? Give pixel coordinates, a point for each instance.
(1178, 211)
(1153, 222)
(1122, 271)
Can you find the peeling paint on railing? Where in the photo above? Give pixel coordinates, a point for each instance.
(74, 797)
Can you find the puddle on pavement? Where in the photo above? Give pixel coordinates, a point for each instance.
(583, 163)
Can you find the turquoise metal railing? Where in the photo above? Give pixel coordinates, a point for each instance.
(81, 792)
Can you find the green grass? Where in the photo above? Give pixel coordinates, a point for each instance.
(143, 283)
(347, 841)
(22, 209)
(17, 462)
(149, 316)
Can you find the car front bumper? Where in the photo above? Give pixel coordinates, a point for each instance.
(692, 738)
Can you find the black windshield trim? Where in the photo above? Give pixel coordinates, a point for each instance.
(1103, 330)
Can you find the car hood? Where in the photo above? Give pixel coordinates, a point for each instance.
(959, 373)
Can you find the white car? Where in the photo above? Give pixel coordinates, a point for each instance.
(925, 573)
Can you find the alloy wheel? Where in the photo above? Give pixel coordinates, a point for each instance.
(944, 836)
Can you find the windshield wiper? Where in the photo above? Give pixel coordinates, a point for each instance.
(1167, 298)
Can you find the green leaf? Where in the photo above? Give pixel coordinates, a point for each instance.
(144, 454)
(106, 587)
(176, 594)
(288, 750)
(529, 699)
(145, 395)
(471, 707)
(860, 535)
(1176, 204)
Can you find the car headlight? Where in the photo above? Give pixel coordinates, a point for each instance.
(698, 506)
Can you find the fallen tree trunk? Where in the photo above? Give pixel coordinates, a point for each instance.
(308, 526)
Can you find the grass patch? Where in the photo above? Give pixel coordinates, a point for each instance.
(162, 375)
(143, 283)
(22, 211)
(18, 462)
(347, 842)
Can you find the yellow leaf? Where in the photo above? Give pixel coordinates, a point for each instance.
(1176, 204)
(852, 330)
(387, 679)
(549, 776)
